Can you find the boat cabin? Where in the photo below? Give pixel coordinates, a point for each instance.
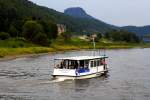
(80, 62)
(79, 65)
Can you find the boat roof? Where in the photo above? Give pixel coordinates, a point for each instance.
(81, 58)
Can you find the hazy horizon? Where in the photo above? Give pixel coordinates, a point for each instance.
(115, 12)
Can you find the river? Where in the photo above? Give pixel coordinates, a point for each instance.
(29, 78)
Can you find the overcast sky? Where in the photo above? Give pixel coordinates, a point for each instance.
(116, 12)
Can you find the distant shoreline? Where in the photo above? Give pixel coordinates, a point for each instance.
(46, 50)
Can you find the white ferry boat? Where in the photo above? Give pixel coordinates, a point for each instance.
(80, 67)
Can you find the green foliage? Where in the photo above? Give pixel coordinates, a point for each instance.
(20, 46)
(13, 31)
(66, 36)
(33, 31)
(41, 39)
(31, 28)
(4, 36)
(121, 35)
(15, 43)
(99, 36)
(25, 19)
(22, 51)
(49, 28)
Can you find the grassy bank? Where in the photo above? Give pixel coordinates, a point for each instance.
(14, 47)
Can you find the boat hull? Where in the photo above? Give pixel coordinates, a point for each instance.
(81, 76)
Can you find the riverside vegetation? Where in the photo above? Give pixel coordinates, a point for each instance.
(21, 46)
(38, 36)
(26, 28)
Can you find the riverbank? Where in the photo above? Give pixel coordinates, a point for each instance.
(16, 48)
(11, 53)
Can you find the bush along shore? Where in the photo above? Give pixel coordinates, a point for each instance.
(16, 47)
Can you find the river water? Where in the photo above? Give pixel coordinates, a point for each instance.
(29, 78)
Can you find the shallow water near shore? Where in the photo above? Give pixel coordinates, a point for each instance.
(29, 78)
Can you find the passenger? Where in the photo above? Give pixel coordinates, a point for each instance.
(86, 66)
(57, 66)
(103, 62)
(76, 65)
(61, 65)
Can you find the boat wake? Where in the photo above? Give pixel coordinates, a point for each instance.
(58, 80)
(54, 81)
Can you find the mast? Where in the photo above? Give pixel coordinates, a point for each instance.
(94, 46)
(94, 54)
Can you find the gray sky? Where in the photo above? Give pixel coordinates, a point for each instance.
(116, 12)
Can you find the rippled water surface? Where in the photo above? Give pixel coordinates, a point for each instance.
(29, 78)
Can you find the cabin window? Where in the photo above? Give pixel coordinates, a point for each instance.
(65, 64)
(95, 63)
(61, 64)
(71, 64)
(76, 65)
(92, 63)
(86, 63)
(82, 64)
(68, 64)
(98, 62)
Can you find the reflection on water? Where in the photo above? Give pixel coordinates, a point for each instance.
(29, 78)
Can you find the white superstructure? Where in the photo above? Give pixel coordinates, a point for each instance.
(80, 67)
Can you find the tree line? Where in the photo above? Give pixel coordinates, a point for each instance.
(122, 35)
(38, 32)
(21, 18)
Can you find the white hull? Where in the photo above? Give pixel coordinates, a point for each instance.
(81, 76)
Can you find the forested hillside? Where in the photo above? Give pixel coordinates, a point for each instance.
(16, 12)
(140, 31)
(22, 18)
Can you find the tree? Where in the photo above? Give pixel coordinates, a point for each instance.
(13, 31)
(41, 39)
(31, 29)
(4, 36)
(49, 28)
(66, 36)
(121, 35)
(107, 35)
(99, 36)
